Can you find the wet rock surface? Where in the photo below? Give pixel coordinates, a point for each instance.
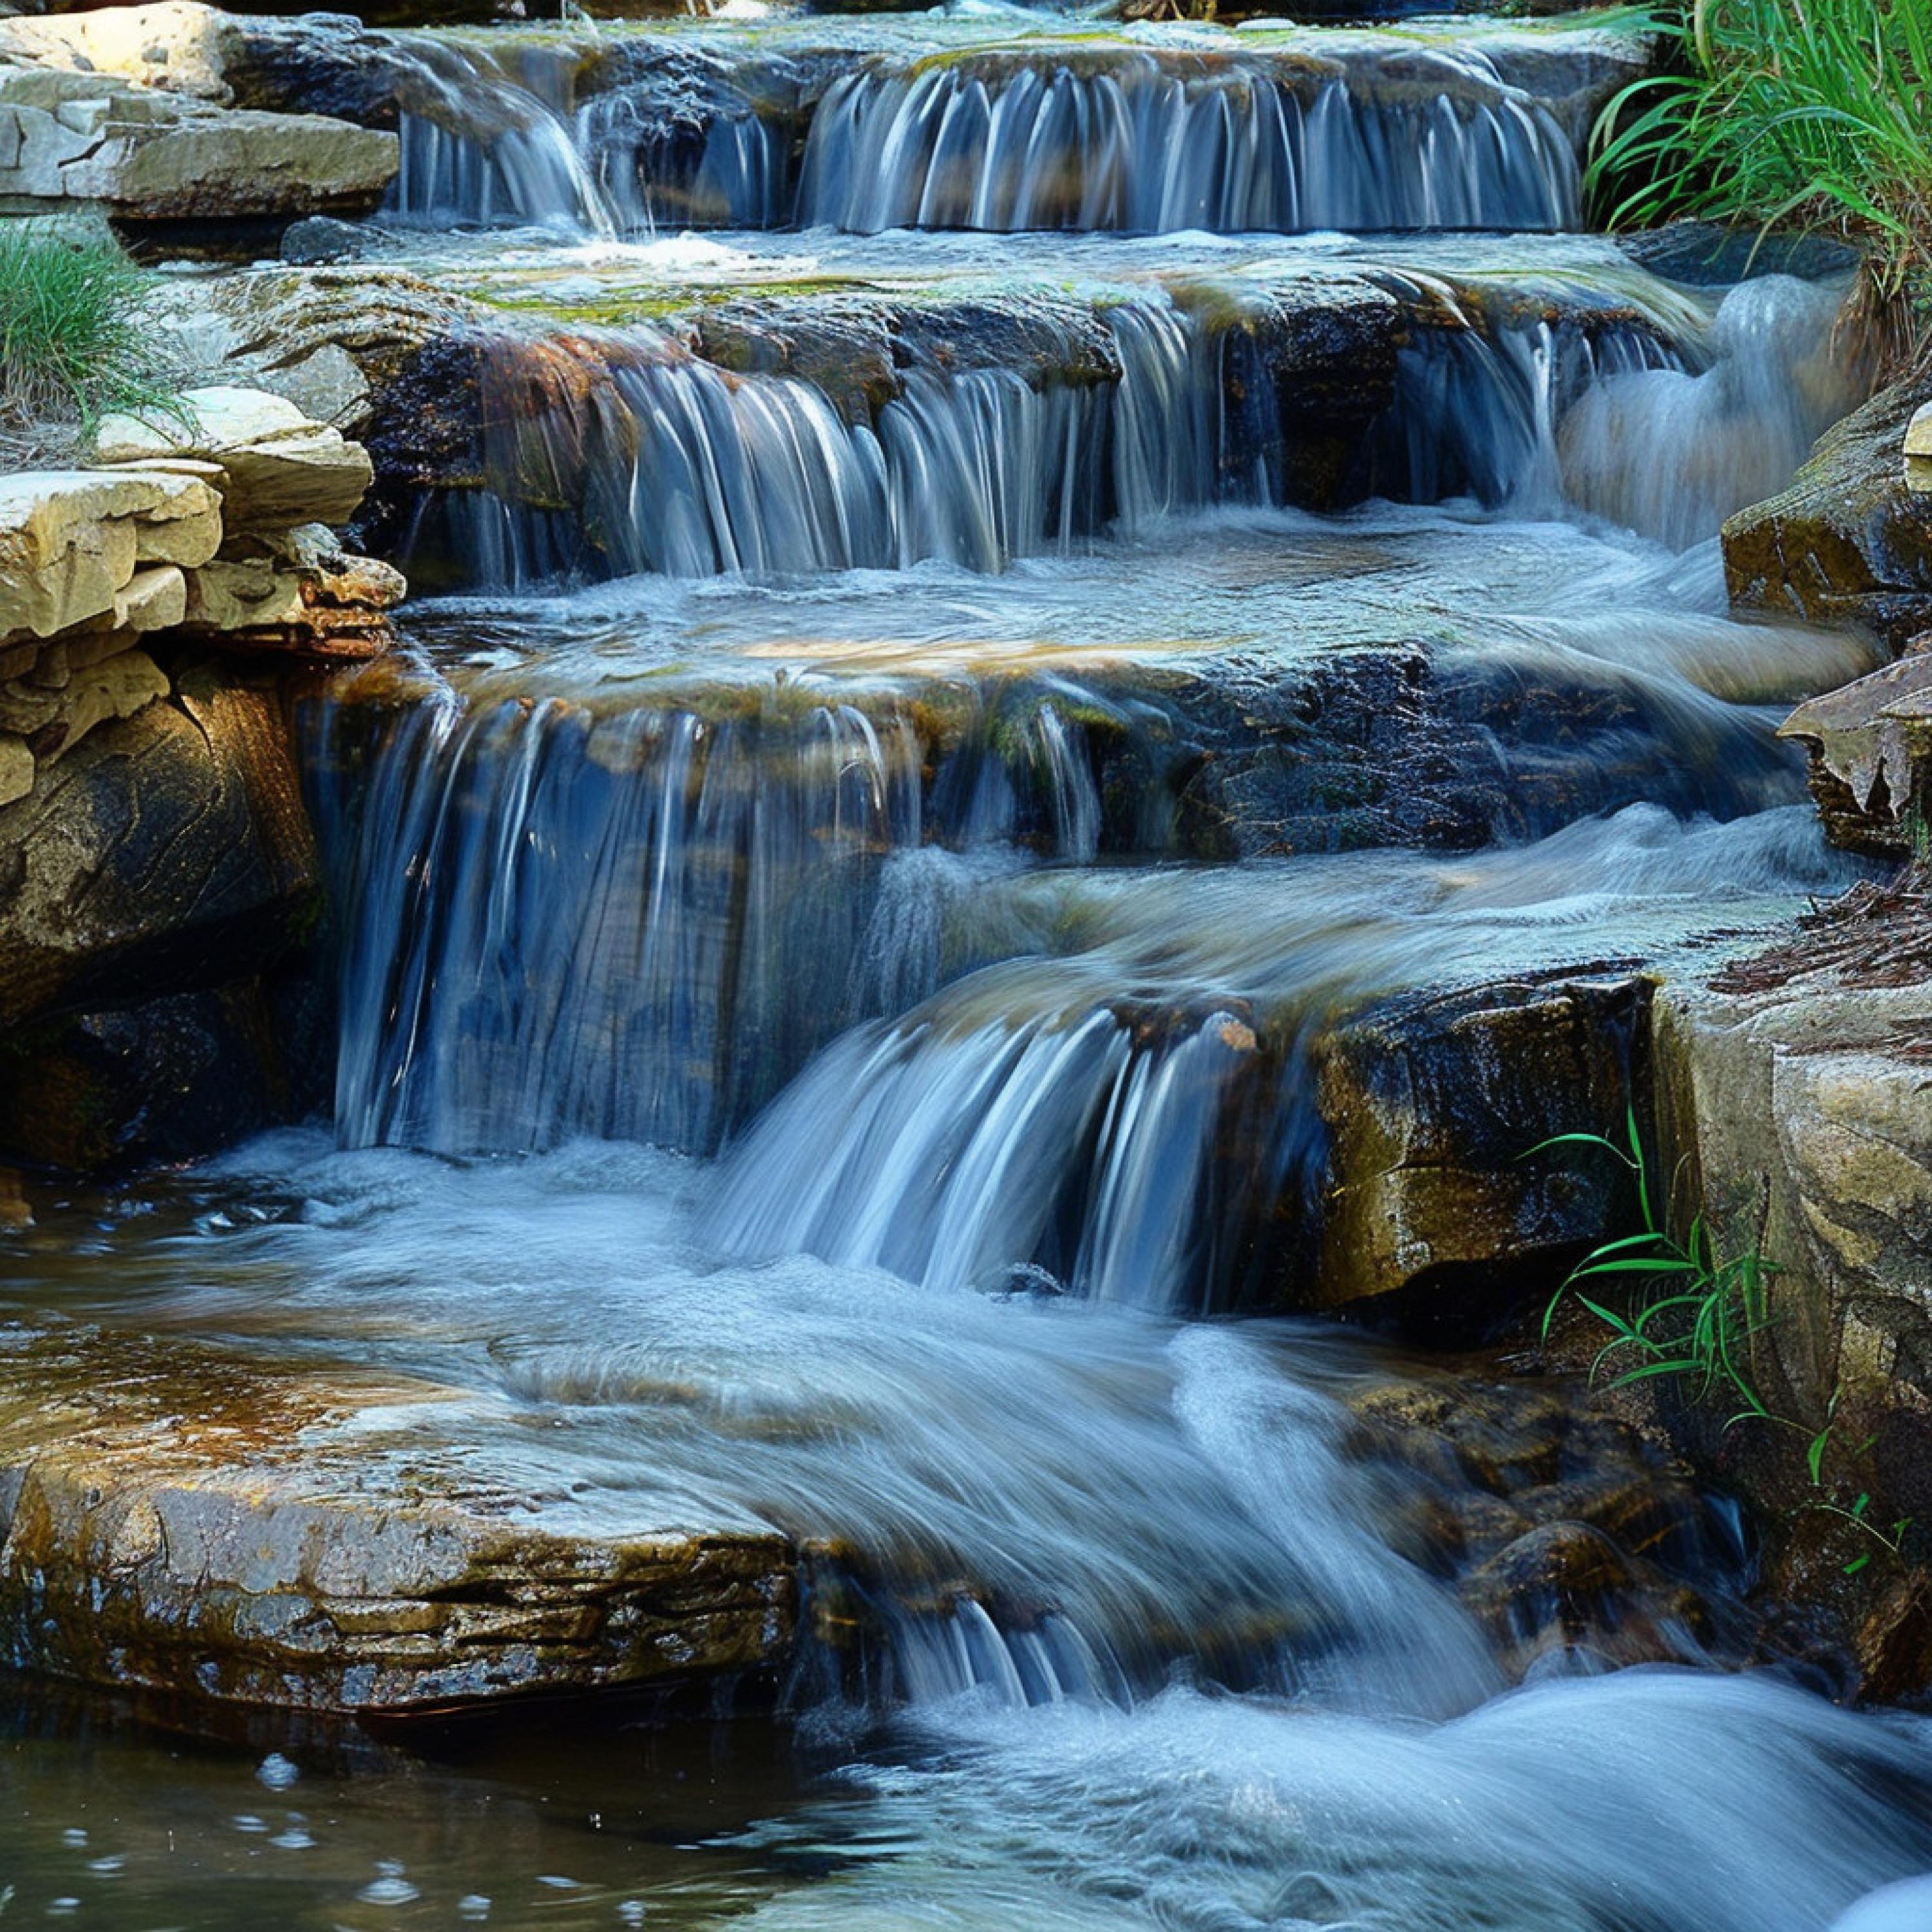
(1850, 541)
(182, 1521)
(1433, 1106)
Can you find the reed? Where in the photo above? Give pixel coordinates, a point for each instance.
(75, 340)
(1816, 114)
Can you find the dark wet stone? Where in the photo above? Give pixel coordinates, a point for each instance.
(170, 852)
(1432, 1103)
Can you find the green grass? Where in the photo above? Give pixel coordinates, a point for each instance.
(1689, 1314)
(75, 339)
(1815, 113)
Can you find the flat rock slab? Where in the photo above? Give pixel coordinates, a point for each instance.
(68, 136)
(183, 1520)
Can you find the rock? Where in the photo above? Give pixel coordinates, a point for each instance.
(1799, 1096)
(1433, 1104)
(144, 155)
(16, 768)
(71, 541)
(169, 852)
(183, 1519)
(1918, 449)
(1870, 743)
(172, 1079)
(318, 238)
(279, 468)
(303, 592)
(176, 46)
(153, 599)
(1848, 539)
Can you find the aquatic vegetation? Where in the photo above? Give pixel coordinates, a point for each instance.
(1811, 111)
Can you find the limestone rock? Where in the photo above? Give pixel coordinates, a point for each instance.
(1804, 1108)
(145, 155)
(71, 541)
(177, 45)
(178, 1518)
(153, 599)
(1871, 747)
(16, 768)
(1918, 450)
(280, 469)
(1849, 539)
(301, 592)
(169, 851)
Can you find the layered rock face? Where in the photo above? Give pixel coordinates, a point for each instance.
(155, 858)
(127, 110)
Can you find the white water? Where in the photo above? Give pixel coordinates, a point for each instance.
(1150, 144)
(970, 130)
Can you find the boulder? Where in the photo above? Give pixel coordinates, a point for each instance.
(144, 155)
(1433, 1104)
(178, 1518)
(1870, 743)
(178, 47)
(1796, 1091)
(278, 469)
(169, 851)
(1849, 539)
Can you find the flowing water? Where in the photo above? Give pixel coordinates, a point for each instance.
(832, 939)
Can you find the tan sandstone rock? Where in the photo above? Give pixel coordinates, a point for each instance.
(1918, 450)
(279, 468)
(71, 541)
(143, 154)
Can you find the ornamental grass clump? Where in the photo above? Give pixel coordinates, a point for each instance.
(1813, 113)
(76, 341)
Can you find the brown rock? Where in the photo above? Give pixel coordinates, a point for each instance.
(1849, 539)
(169, 851)
(175, 1521)
(1433, 1104)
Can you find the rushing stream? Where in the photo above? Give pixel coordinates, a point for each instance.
(834, 930)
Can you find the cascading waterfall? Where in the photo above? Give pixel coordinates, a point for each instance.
(674, 466)
(861, 1048)
(1150, 144)
(637, 924)
(620, 140)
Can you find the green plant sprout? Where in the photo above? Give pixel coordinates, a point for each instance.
(1698, 1323)
(1701, 1326)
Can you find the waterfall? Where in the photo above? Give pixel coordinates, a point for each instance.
(644, 457)
(1150, 144)
(627, 137)
(636, 925)
(1077, 1142)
